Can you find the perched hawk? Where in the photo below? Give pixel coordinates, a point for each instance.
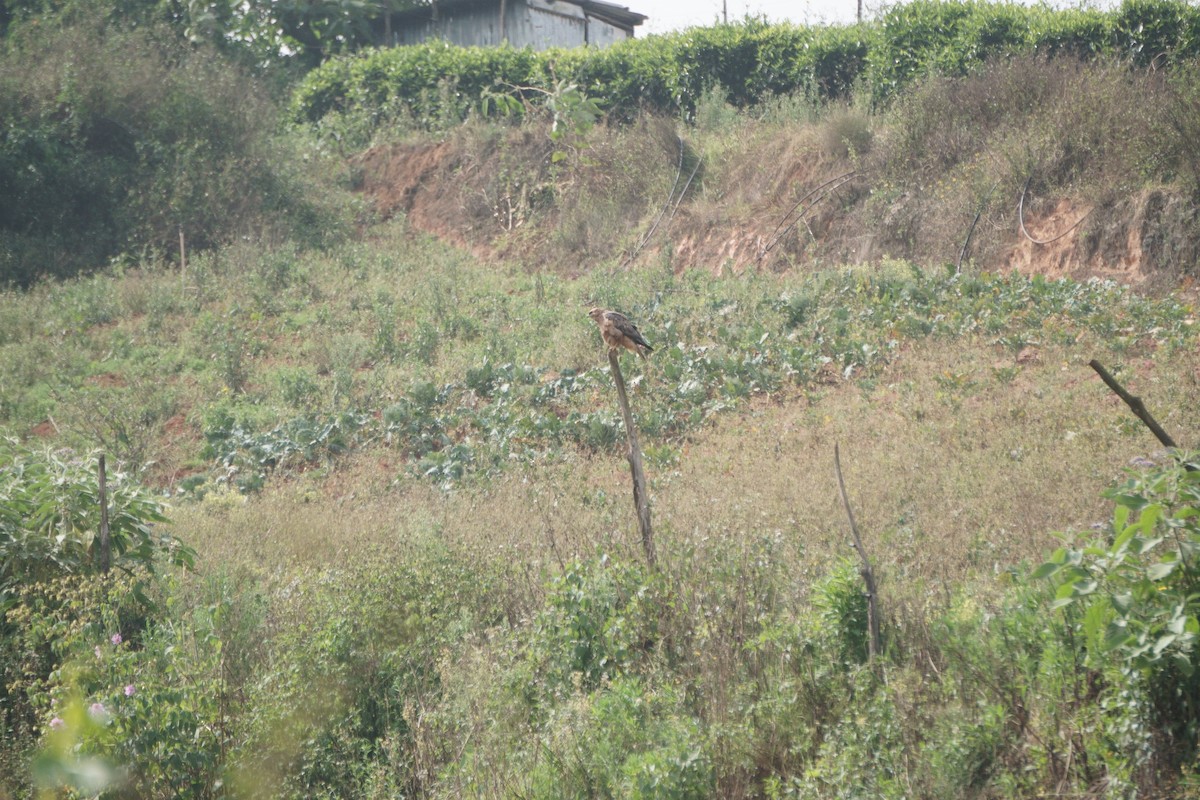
(619, 332)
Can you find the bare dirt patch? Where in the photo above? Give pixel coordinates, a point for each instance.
(415, 180)
(1132, 240)
(43, 430)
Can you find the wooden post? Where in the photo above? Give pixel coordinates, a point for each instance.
(1135, 405)
(503, 22)
(874, 643)
(182, 258)
(105, 552)
(641, 500)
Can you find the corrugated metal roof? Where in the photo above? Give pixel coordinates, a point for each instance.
(608, 12)
(611, 12)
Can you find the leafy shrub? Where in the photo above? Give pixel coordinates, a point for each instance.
(54, 606)
(50, 520)
(841, 604)
(133, 699)
(355, 651)
(1133, 597)
(599, 621)
(402, 83)
(119, 140)
(1076, 33)
(1157, 31)
(247, 458)
(631, 741)
(909, 37)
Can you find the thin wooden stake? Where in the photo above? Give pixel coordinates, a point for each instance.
(868, 575)
(105, 545)
(182, 258)
(1135, 404)
(641, 500)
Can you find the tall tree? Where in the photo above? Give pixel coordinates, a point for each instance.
(303, 32)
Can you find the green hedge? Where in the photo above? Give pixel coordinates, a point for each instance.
(436, 84)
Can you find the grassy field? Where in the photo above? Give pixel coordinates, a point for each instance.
(401, 470)
(400, 466)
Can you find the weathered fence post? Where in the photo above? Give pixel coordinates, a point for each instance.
(1135, 405)
(641, 500)
(105, 551)
(868, 575)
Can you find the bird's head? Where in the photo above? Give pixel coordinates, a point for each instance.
(596, 314)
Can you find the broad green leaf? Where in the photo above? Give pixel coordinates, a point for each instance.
(1164, 641)
(1121, 520)
(1183, 663)
(1085, 587)
(1116, 636)
(1142, 546)
(1126, 531)
(1122, 603)
(1047, 569)
(1095, 619)
(1156, 572)
(1128, 502)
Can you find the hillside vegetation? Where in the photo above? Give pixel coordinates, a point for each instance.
(370, 508)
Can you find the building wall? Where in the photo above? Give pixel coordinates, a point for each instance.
(539, 24)
(602, 34)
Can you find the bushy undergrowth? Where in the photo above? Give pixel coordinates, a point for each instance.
(50, 520)
(58, 600)
(718, 677)
(120, 141)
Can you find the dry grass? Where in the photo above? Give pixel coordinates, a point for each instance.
(960, 462)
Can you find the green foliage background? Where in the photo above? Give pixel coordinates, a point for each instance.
(435, 84)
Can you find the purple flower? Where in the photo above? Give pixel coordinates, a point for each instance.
(98, 712)
(116, 638)
(57, 724)
(130, 690)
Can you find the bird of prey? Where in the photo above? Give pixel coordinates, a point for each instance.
(618, 332)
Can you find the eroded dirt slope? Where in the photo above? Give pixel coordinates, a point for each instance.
(777, 203)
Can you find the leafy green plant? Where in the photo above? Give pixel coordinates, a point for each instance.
(1133, 596)
(50, 519)
(55, 605)
(1138, 590)
(638, 745)
(124, 138)
(246, 458)
(841, 605)
(598, 620)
